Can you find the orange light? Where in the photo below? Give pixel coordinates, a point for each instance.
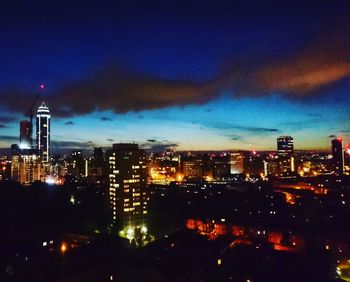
(64, 247)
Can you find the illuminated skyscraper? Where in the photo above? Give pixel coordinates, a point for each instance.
(285, 151)
(26, 166)
(285, 146)
(236, 162)
(25, 134)
(338, 155)
(30, 167)
(43, 132)
(127, 187)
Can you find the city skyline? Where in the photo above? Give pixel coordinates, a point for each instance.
(152, 140)
(191, 78)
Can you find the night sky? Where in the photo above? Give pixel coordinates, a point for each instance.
(192, 75)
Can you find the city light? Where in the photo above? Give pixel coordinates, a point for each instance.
(144, 229)
(130, 232)
(50, 180)
(217, 148)
(64, 247)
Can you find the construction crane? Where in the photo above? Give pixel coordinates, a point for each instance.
(30, 114)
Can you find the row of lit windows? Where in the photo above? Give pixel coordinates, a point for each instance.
(131, 180)
(128, 209)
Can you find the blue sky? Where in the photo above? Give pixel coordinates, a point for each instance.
(183, 74)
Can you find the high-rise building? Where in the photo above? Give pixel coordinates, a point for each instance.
(15, 167)
(236, 162)
(128, 188)
(77, 165)
(31, 168)
(26, 166)
(193, 168)
(338, 155)
(220, 166)
(25, 134)
(285, 146)
(286, 160)
(43, 132)
(98, 163)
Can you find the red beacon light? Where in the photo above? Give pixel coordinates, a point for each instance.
(340, 139)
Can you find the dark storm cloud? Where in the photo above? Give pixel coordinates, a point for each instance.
(69, 123)
(151, 140)
(105, 119)
(3, 126)
(299, 76)
(15, 100)
(332, 136)
(110, 140)
(113, 88)
(120, 90)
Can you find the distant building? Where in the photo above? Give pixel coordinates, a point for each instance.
(5, 168)
(285, 146)
(253, 163)
(43, 132)
(236, 162)
(77, 166)
(128, 187)
(15, 167)
(15, 150)
(27, 167)
(25, 134)
(31, 167)
(98, 163)
(220, 166)
(193, 168)
(285, 152)
(338, 155)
